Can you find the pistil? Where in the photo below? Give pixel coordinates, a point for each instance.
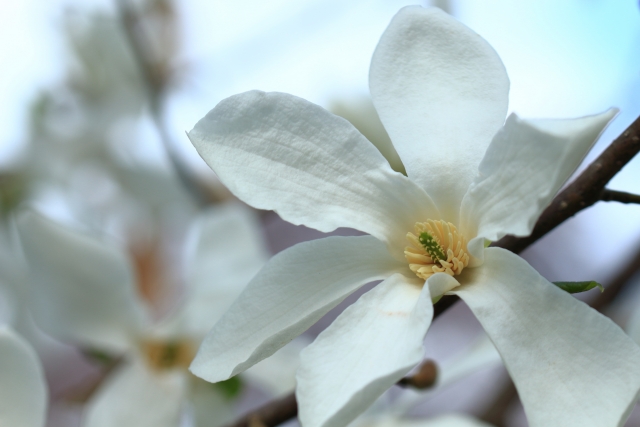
(436, 247)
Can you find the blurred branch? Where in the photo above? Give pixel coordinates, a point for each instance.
(495, 415)
(279, 411)
(619, 196)
(423, 379)
(586, 190)
(156, 75)
(618, 283)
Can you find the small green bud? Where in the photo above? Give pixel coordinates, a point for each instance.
(577, 287)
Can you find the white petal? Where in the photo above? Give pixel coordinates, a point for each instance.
(292, 292)
(441, 92)
(134, 395)
(210, 407)
(523, 169)
(276, 151)
(441, 283)
(363, 115)
(23, 391)
(633, 325)
(229, 251)
(448, 420)
(277, 374)
(83, 288)
(366, 350)
(571, 365)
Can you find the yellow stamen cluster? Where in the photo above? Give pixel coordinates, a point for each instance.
(170, 354)
(436, 247)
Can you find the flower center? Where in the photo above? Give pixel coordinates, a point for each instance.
(436, 247)
(162, 355)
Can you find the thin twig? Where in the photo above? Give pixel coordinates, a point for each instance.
(279, 411)
(156, 76)
(619, 196)
(582, 193)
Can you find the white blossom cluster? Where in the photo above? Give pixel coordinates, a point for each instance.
(185, 309)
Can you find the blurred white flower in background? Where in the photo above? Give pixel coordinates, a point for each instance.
(85, 293)
(441, 92)
(23, 390)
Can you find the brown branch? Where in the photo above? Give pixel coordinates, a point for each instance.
(272, 414)
(156, 74)
(619, 196)
(278, 411)
(586, 190)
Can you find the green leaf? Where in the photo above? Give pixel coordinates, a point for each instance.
(576, 287)
(229, 388)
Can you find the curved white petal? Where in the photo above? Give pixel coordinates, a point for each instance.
(441, 92)
(633, 325)
(83, 289)
(210, 408)
(134, 395)
(571, 365)
(229, 251)
(441, 283)
(523, 169)
(292, 292)
(363, 116)
(276, 151)
(277, 374)
(23, 391)
(366, 350)
(448, 420)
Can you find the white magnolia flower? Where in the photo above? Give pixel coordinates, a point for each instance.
(441, 92)
(23, 390)
(85, 293)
